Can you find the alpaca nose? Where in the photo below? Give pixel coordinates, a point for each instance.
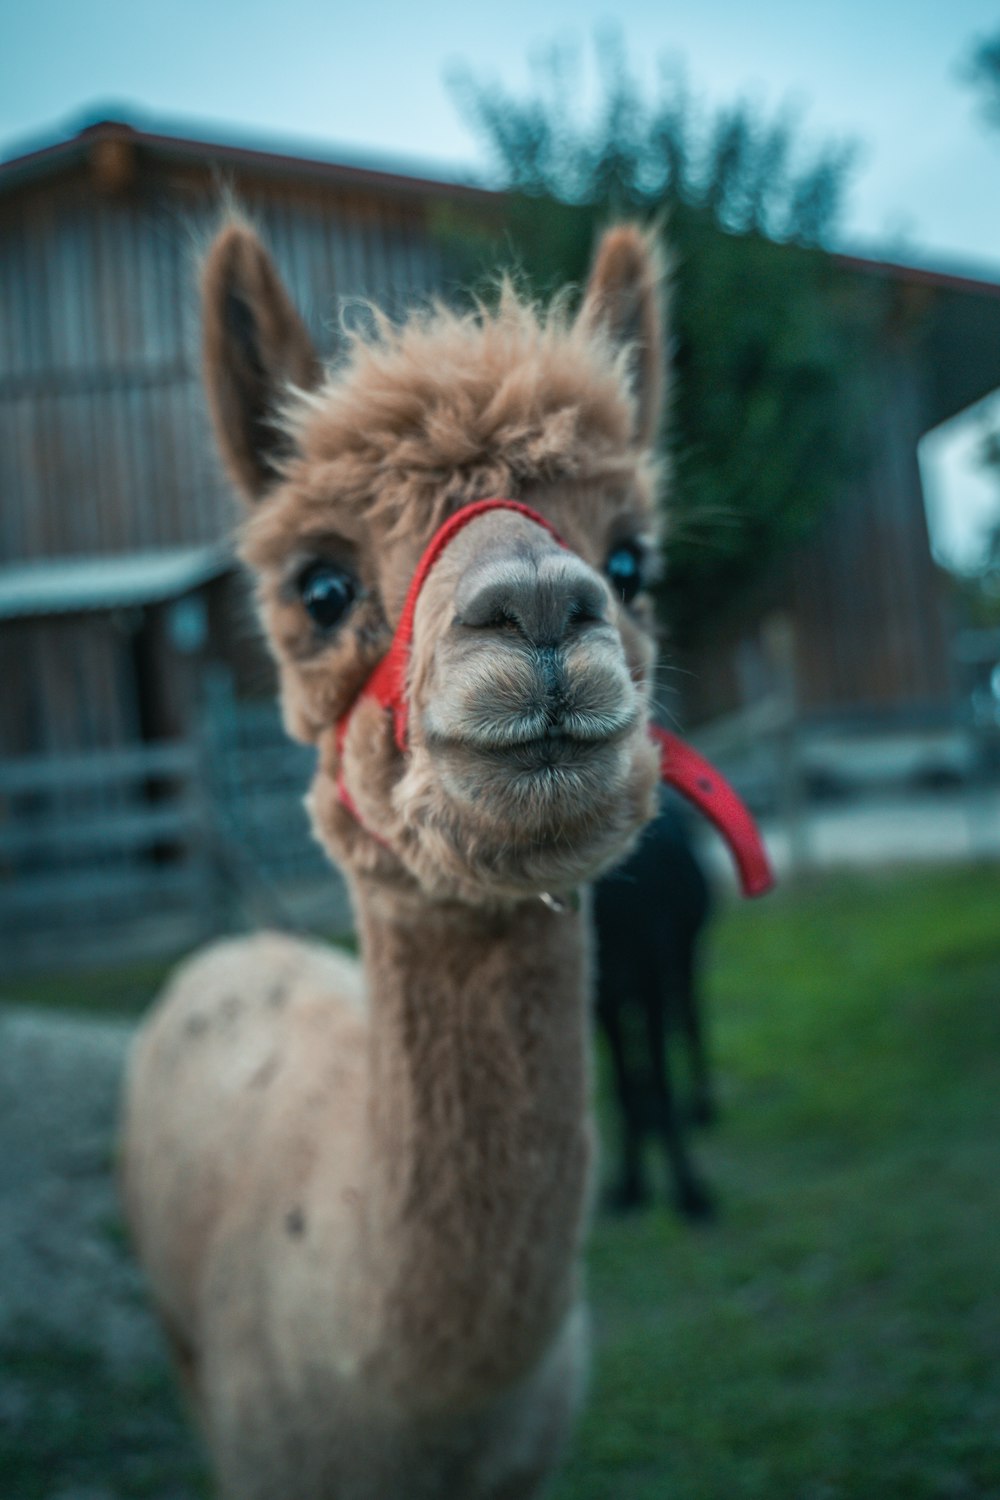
(543, 598)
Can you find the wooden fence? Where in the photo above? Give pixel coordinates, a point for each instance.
(257, 779)
(98, 841)
(157, 846)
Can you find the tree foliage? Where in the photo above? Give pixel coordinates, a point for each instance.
(636, 152)
(759, 429)
(982, 70)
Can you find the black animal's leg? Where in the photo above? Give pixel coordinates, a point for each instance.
(691, 1197)
(702, 1109)
(630, 1191)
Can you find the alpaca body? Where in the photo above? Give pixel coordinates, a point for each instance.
(360, 1193)
(401, 1323)
(649, 915)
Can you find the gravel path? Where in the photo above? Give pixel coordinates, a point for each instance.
(87, 1410)
(63, 1263)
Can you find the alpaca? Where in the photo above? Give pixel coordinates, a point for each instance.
(359, 1191)
(649, 916)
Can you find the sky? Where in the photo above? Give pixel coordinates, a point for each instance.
(370, 81)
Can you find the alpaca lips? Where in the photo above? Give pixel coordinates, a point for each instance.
(680, 766)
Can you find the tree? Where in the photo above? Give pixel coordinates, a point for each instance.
(760, 430)
(982, 71)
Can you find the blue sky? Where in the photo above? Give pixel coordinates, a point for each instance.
(361, 80)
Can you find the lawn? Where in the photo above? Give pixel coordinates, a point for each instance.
(836, 1333)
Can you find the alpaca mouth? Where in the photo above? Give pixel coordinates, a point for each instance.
(575, 763)
(554, 750)
(543, 810)
(537, 736)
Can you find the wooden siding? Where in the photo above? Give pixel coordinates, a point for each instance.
(103, 435)
(862, 595)
(68, 685)
(865, 595)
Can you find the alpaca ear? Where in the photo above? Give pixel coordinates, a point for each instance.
(254, 344)
(625, 298)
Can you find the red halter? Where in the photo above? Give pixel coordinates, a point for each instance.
(680, 766)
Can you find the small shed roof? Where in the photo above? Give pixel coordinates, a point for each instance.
(81, 585)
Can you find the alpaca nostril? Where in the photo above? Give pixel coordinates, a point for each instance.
(501, 619)
(544, 604)
(584, 612)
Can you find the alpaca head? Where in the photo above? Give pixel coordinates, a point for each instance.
(528, 766)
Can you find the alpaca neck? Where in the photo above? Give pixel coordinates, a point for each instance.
(478, 1131)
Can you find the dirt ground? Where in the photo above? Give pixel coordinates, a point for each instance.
(86, 1410)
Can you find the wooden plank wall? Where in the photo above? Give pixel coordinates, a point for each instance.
(103, 436)
(866, 598)
(67, 685)
(862, 593)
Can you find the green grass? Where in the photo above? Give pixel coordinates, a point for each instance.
(69, 1425)
(835, 1335)
(124, 991)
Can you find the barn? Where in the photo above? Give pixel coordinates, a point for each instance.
(107, 479)
(121, 612)
(111, 504)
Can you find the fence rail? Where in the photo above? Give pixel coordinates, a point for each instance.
(206, 833)
(188, 837)
(98, 768)
(90, 841)
(134, 892)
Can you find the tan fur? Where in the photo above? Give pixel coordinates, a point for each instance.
(359, 1192)
(239, 276)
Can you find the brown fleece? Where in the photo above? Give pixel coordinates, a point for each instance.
(359, 1191)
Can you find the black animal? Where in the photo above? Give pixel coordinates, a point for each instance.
(649, 915)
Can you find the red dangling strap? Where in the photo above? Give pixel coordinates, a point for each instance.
(692, 775)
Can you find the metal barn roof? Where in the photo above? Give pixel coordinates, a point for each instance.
(176, 147)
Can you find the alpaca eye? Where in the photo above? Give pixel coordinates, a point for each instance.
(327, 593)
(625, 571)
